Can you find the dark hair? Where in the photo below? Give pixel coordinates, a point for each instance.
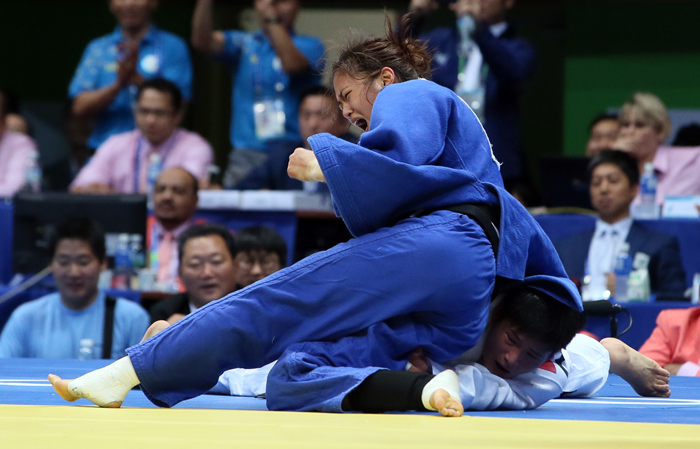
(83, 229)
(262, 238)
(627, 163)
(321, 91)
(204, 230)
(364, 58)
(601, 118)
(539, 316)
(165, 86)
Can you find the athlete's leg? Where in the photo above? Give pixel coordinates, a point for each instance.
(438, 269)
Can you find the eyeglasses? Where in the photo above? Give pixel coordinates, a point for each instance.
(266, 263)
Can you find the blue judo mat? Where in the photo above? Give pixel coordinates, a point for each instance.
(23, 381)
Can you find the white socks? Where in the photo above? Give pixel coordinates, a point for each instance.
(446, 380)
(106, 386)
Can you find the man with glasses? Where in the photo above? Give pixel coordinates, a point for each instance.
(261, 252)
(121, 164)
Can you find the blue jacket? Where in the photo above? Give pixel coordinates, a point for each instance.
(665, 267)
(511, 62)
(425, 133)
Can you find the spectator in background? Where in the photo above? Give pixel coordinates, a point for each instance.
(271, 68)
(57, 325)
(318, 113)
(208, 271)
(675, 342)
(644, 125)
(261, 252)
(590, 255)
(603, 133)
(114, 66)
(174, 204)
(120, 165)
(17, 153)
(17, 123)
(484, 61)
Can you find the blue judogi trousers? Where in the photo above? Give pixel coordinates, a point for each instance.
(316, 376)
(428, 280)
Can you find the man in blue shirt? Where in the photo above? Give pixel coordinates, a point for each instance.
(114, 66)
(271, 68)
(65, 324)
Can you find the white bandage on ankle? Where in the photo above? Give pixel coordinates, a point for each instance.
(106, 385)
(446, 380)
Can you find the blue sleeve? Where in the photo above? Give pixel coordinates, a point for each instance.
(511, 60)
(234, 41)
(403, 136)
(12, 340)
(668, 273)
(179, 67)
(85, 77)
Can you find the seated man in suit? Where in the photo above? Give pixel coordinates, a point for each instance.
(318, 113)
(208, 270)
(590, 256)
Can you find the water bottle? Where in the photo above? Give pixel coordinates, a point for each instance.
(623, 267)
(86, 349)
(138, 256)
(32, 174)
(647, 184)
(155, 166)
(123, 265)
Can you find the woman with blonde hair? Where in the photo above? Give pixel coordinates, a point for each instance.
(644, 125)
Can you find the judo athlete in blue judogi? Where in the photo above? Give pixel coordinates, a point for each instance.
(404, 281)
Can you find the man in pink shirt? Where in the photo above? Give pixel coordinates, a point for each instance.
(120, 165)
(17, 151)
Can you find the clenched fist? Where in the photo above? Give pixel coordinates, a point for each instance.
(303, 166)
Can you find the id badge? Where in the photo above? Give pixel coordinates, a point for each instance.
(475, 99)
(269, 119)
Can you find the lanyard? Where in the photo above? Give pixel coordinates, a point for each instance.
(165, 151)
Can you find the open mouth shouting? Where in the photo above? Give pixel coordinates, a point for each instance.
(360, 123)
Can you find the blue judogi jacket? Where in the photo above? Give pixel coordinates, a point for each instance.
(425, 133)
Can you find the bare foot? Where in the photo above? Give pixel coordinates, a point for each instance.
(442, 394)
(61, 387)
(446, 404)
(106, 387)
(642, 373)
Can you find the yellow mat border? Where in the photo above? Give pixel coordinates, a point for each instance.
(129, 428)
